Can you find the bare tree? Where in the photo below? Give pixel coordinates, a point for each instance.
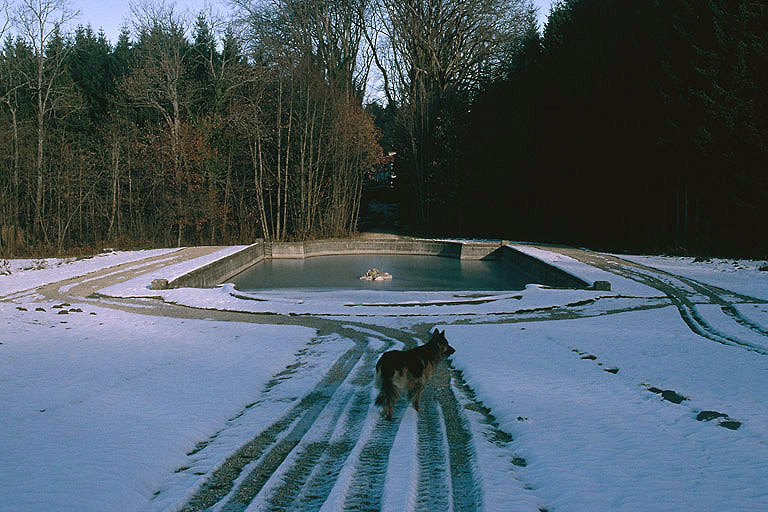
(158, 83)
(40, 22)
(329, 34)
(441, 43)
(248, 112)
(5, 6)
(431, 54)
(310, 157)
(8, 89)
(334, 32)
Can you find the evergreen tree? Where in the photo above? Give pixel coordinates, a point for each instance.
(205, 64)
(90, 67)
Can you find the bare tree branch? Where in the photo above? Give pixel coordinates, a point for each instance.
(5, 6)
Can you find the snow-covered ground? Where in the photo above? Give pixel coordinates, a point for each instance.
(602, 441)
(641, 398)
(740, 276)
(26, 274)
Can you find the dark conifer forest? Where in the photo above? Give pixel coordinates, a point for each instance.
(629, 126)
(625, 126)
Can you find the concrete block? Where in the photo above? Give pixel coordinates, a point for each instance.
(220, 270)
(541, 271)
(603, 286)
(159, 284)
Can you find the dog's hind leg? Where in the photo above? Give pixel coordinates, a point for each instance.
(388, 402)
(388, 394)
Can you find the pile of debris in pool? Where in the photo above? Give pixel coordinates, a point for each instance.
(375, 274)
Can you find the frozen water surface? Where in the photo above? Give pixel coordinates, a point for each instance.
(414, 273)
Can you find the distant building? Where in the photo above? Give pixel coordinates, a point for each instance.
(384, 176)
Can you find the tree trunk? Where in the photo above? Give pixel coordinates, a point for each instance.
(15, 179)
(39, 165)
(258, 180)
(115, 173)
(276, 228)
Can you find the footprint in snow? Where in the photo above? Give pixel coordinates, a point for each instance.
(669, 395)
(723, 419)
(590, 357)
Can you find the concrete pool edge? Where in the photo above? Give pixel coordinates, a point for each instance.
(223, 269)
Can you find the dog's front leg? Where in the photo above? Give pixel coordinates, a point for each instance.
(415, 395)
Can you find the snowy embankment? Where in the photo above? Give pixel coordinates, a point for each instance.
(26, 274)
(595, 400)
(587, 273)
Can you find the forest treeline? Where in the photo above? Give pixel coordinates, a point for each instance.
(627, 126)
(622, 125)
(180, 132)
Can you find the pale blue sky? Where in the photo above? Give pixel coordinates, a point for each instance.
(543, 6)
(111, 15)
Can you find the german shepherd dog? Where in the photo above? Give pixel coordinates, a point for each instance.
(410, 370)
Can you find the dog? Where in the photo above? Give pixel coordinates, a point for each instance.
(409, 370)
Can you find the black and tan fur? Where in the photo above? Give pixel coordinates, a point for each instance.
(408, 370)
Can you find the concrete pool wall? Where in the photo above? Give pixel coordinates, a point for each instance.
(223, 269)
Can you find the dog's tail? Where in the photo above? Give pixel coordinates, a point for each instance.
(387, 391)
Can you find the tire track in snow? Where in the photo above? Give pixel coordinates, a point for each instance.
(295, 463)
(434, 489)
(366, 487)
(680, 291)
(690, 314)
(446, 452)
(492, 455)
(320, 483)
(310, 472)
(332, 450)
(360, 483)
(719, 296)
(269, 448)
(465, 483)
